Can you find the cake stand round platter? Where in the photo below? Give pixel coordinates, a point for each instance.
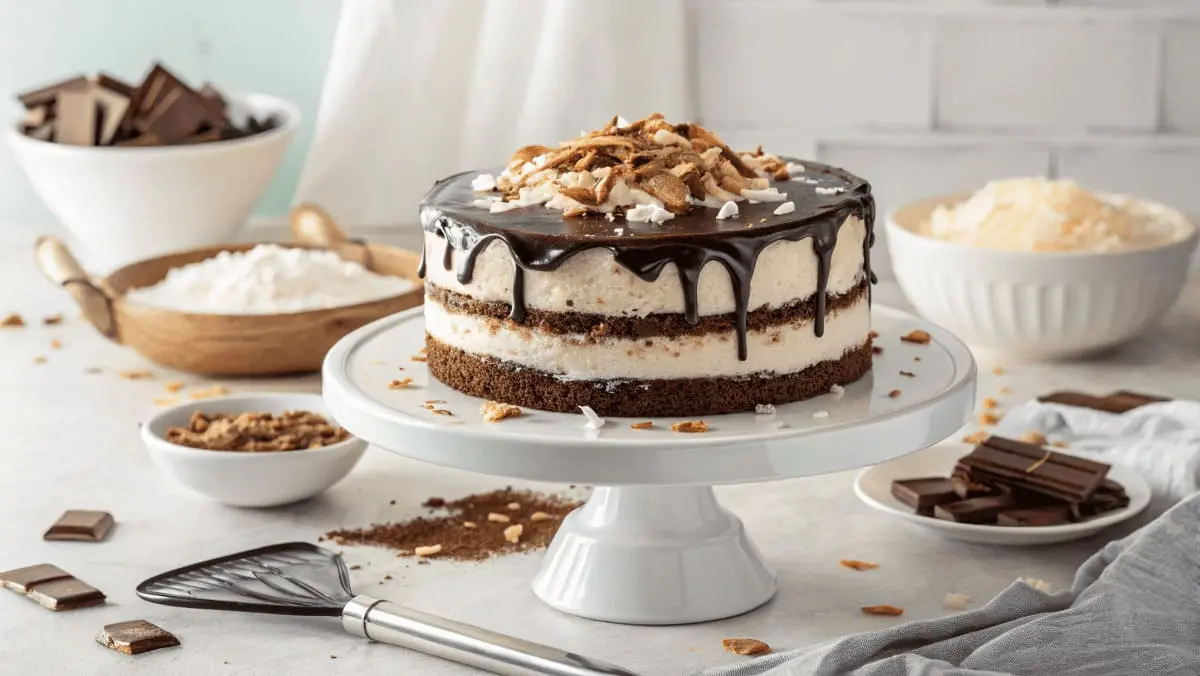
(651, 545)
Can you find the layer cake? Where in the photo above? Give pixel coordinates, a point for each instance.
(645, 269)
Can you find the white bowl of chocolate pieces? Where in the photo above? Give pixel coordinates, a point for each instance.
(1003, 492)
(136, 171)
(252, 450)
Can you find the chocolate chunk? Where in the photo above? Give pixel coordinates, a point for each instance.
(112, 84)
(1066, 477)
(967, 486)
(21, 580)
(1109, 497)
(112, 107)
(75, 117)
(975, 510)
(47, 96)
(81, 526)
(1117, 402)
(66, 594)
(135, 637)
(1048, 515)
(924, 492)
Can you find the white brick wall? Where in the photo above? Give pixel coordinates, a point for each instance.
(929, 96)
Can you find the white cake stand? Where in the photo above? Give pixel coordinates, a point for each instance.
(651, 545)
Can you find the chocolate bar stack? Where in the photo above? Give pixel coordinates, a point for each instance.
(104, 111)
(1004, 482)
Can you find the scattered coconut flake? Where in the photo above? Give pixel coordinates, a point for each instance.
(621, 123)
(644, 213)
(483, 204)
(1040, 585)
(764, 409)
(794, 168)
(501, 207)
(785, 208)
(766, 195)
(829, 191)
(594, 421)
(956, 601)
(728, 210)
(820, 414)
(483, 183)
(838, 392)
(780, 425)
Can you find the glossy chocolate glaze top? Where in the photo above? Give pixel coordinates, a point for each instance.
(541, 239)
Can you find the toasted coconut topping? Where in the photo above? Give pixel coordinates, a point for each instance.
(650, 170)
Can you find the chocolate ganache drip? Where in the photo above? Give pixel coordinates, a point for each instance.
(542, 239)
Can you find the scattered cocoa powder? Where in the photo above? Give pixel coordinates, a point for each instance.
(459, 542)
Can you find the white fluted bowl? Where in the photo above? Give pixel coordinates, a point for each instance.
(1040, 305)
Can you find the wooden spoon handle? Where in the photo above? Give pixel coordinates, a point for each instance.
(61, 267)
(314, 226)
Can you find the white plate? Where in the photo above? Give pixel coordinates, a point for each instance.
(874, 487)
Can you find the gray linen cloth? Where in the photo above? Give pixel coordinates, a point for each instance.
(1134, 608)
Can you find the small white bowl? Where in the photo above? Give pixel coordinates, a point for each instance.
(874, 487)
(250, 479)
(1040, 305)
(130, 203)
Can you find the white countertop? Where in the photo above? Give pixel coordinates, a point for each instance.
(68, 440)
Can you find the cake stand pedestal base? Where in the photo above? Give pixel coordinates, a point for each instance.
(653, 555)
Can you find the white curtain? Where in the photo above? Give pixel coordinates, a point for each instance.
(420, 89)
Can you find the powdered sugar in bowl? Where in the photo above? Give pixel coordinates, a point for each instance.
(245, 309)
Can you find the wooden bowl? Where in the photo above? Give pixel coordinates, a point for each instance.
(230, 345)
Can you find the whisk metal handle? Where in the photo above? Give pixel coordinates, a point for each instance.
(390, 623)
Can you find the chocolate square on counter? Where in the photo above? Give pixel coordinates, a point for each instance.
(81, 526)
(21, 580)
(924, 493)
(66, 594)
(135, 637)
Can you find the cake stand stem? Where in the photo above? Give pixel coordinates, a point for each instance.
(653, 555)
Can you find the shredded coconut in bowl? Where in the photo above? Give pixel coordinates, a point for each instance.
(268, 279)
(1034, 214)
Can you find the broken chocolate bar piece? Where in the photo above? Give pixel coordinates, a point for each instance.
(1108, 498)
(967, 486)
(1021, 465)
(21, 580)
(66, 594)
(135, 637)
(1117, 402)
(75, 117)
(975, 510)
(1048, 515)
(925, 492)
(52, 587)
(81, 526)
(48, 95)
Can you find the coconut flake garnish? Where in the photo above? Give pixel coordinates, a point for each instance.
(766, 195)
(785, 208)
(764, 409)
(644, 213)
(820, 414)
(501, 207)
(483, 204)
(594, 421)
(728, 210)
(955, 601)
(794, 168)
(837, 391)
(622, 122)
(829, 191)
(483, 183)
